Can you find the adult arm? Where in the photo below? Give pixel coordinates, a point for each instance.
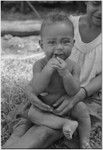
(35, 100)
(93, 86)
(68, 103)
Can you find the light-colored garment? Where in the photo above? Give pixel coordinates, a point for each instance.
(87, 55)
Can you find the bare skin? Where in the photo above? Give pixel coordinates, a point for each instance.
(52, 121)
(54, 76)
(57, 77)
(32, 137)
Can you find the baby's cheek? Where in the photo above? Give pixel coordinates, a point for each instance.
(49, 54)
(69, 52)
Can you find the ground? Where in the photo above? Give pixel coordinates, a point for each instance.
(17, 59)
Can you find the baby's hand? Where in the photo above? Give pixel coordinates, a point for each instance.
(62, 67)
(53, 64)
(62, 63)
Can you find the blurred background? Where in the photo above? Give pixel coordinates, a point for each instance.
(22, 10)
(24, 18)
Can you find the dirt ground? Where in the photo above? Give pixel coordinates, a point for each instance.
(17, 59)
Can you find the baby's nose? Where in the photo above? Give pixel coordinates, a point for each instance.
(58, 50)
(59, 47)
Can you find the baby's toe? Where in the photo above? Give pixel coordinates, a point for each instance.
(67, 134)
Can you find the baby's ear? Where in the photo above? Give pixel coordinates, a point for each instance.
(41, 44)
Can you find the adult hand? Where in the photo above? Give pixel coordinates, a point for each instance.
(36, 101)
(64, 105)
(41, 105)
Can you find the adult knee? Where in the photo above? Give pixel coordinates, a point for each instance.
(80, 109)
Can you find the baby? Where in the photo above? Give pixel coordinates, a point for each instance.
(54, 76)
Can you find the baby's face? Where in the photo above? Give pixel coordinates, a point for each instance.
(57, 40)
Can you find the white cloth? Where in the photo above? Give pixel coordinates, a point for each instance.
(87, 55)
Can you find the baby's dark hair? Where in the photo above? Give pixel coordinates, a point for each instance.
(55, 17)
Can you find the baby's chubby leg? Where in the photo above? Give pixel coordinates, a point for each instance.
(81, 114)
(55, 122)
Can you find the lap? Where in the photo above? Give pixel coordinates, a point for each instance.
(27, 135)
(94, 105)
(18, 131)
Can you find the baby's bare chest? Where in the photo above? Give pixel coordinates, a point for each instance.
(54, 90)
(55, 84)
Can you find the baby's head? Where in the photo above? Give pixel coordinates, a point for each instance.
(57, 35)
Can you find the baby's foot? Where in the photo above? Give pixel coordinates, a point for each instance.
(69, 128)
(85, 145)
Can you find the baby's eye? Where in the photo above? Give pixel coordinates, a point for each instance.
(51, 42)
(65, 41)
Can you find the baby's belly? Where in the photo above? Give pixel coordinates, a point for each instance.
(50, 99)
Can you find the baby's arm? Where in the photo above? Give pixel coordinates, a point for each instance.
(71, 81)
(71, 77)
(35, 100)
(42, 76)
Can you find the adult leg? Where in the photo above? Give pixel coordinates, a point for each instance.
(18, 131)
(37, 137)
(81, 114)
(52, 121)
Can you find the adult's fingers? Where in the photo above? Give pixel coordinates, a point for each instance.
(42, 107)
(62, 106)
(66, 110)
(58, 102)
(38, 103)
